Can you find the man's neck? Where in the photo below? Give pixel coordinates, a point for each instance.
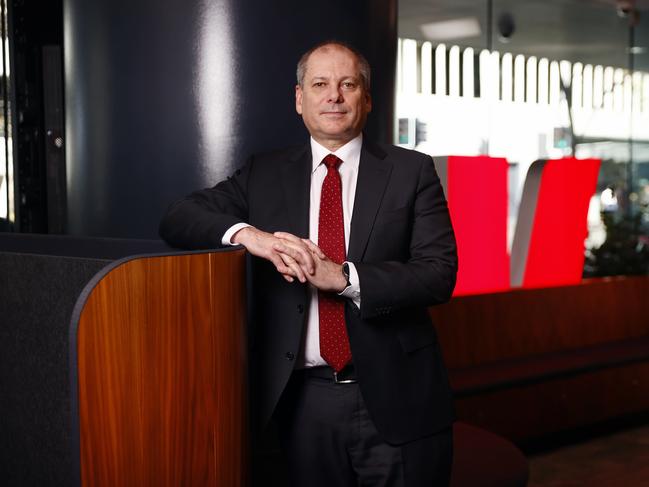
(349, 152)
(334, 145)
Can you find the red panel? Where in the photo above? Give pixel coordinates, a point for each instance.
(556, 250)
(477, 197)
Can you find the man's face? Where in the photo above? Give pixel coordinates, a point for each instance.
(333, 101)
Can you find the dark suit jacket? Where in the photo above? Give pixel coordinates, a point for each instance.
(403, 246)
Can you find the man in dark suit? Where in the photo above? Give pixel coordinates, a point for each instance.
(351, 242)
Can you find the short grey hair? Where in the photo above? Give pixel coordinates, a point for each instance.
(363, 65)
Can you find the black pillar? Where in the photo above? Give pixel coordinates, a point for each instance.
(163, 97)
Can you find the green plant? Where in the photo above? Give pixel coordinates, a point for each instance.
(625, 250)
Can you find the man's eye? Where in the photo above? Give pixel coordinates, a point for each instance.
(349, 84)
(319, 84)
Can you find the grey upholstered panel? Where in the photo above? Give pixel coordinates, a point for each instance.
(37, 295)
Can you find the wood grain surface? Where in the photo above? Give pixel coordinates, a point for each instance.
(162, 374)
(487, 328)
(531, 412)
(478, 332)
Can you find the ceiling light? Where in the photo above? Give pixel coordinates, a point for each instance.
(451, 29)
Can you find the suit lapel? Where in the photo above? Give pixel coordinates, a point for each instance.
(296, 184)
(373, 176)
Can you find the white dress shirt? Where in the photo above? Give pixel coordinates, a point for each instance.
(350, 154)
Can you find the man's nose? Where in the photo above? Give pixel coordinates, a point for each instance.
(335, 95)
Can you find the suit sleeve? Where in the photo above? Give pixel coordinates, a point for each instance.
(200, 220)
(428, 276)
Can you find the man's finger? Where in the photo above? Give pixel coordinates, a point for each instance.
(288, 236)
(279, 265)
(301, 241)
(314, 248)
(294, 266)
(287, 272)
(300, 254)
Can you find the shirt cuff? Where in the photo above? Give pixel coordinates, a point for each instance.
(227, 236)
(353, 291)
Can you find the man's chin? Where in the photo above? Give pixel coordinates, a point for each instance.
(340, 138)
(337, 130)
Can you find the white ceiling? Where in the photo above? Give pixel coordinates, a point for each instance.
(589, 31)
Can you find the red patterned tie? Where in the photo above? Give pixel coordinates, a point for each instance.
(334, 343)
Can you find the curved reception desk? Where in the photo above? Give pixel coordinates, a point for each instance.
(123, 362)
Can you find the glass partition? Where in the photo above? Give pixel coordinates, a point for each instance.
(528, 80)
(7, 214)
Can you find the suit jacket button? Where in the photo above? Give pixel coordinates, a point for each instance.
(300, 308)
(290, 355)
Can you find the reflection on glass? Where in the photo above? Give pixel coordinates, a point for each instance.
(6, 160)
(526, 109)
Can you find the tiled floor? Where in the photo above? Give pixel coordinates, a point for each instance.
(616, 459)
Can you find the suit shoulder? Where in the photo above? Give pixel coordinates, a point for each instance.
(267, 162)
(405, 157)
(402, 152)
(280, 155)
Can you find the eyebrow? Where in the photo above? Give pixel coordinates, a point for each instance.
(325, 78)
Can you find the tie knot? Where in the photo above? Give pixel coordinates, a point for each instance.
(331, 161)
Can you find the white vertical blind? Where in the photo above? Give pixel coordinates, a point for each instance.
(440, 70)
(426, 68)
(468, 73)
(531, 78)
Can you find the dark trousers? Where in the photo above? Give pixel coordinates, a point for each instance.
(329, 440)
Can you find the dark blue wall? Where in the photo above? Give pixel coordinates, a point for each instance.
(163, 97)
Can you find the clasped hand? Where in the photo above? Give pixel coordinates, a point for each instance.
(294, 258)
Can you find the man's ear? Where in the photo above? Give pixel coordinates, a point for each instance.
(368, 102)
(298, 99)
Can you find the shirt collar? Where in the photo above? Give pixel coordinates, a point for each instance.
(350, 153)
